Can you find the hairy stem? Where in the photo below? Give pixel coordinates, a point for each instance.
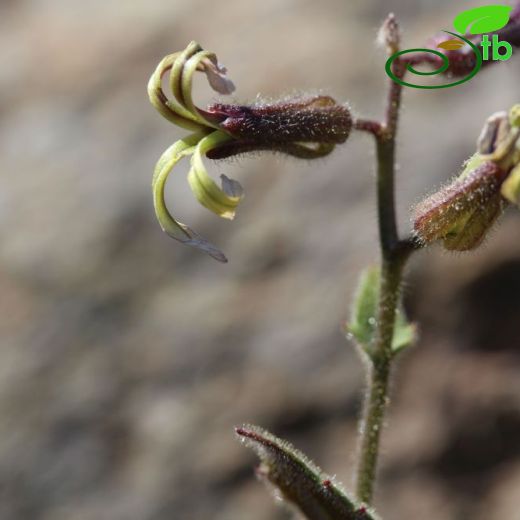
(393, 256)
(367, 125)
(379, 369)
(385, 195)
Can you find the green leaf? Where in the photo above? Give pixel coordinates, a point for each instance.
(481, 20)
(405, 333)
(299, 481)
(363, 320)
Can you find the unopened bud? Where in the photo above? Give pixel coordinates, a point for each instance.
(317, 119)
(389, 34)
(461, 213)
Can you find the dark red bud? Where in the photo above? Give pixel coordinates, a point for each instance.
(318, 119)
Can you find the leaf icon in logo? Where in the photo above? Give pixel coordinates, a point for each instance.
(484, 19)
(451, 45)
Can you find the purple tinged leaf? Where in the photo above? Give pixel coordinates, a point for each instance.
(299, 481)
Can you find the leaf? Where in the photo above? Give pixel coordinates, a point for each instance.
(481, 20)
(405, 333)
(363, 320)
(300, 481)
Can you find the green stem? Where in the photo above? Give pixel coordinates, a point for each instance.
(385, 194)
(378, 376)
(394, 254)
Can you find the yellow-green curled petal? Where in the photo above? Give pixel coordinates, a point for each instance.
(510, 189)
(176, 151)
(177, 72)
(189, 69)
(170, 108)
(195, 58)
(222, 201)
(172, 227)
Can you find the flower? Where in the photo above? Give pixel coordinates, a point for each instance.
(306, 127)
(461, 213)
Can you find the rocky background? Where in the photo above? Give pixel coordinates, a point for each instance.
(126, 359)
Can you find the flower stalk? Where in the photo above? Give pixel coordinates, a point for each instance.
(393, 259)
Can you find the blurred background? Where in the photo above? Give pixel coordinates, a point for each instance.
(127, 358)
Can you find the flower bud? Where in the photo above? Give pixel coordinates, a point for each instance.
(316, 119)
(389, 34)
(462, 212)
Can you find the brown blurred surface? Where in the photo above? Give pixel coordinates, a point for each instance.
(127, 358)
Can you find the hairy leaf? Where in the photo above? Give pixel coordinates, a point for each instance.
(299, 481)
(363, 320)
